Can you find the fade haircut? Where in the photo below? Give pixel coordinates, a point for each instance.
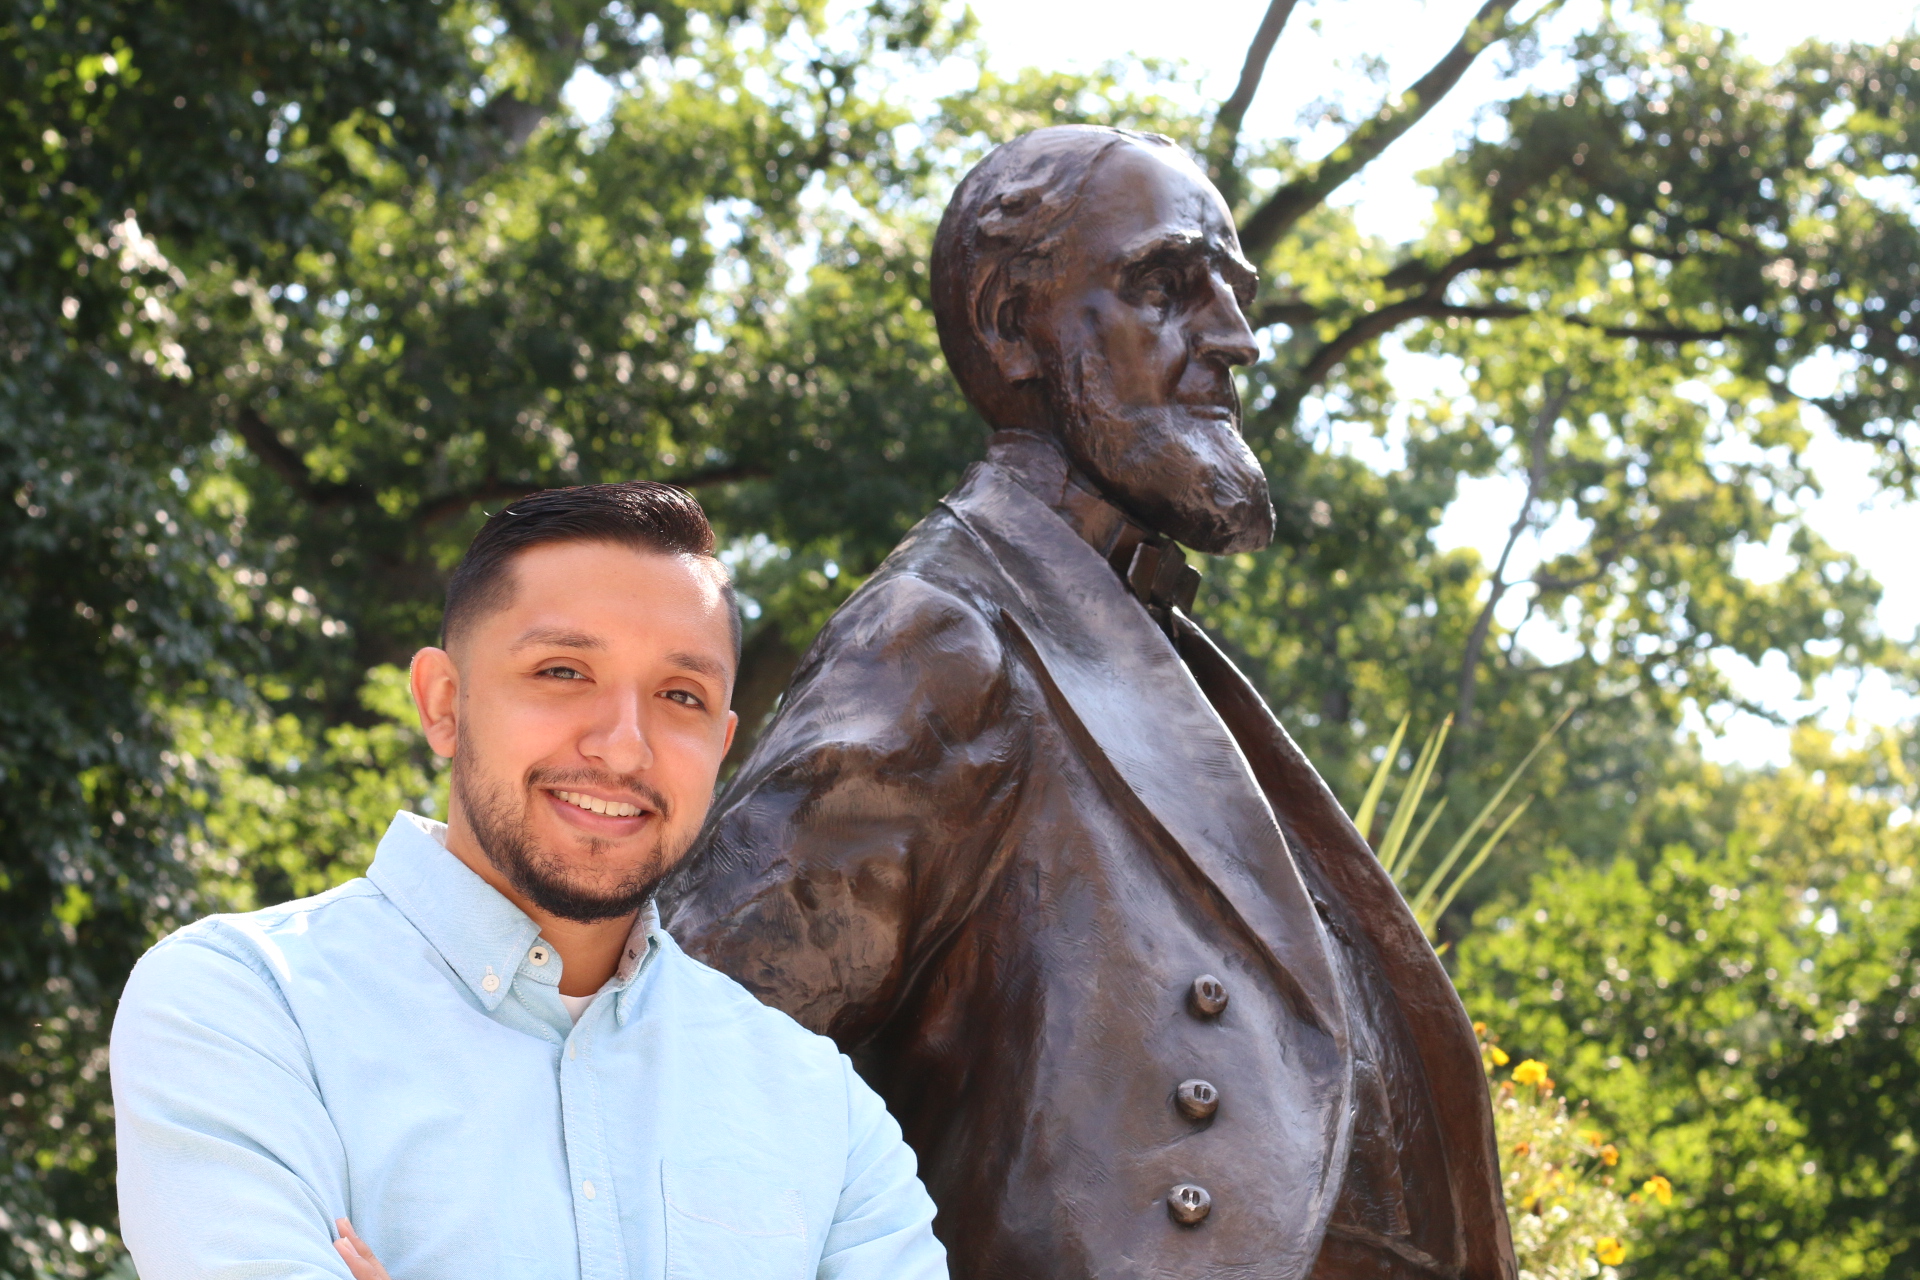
(641, 514)
(1005, 222)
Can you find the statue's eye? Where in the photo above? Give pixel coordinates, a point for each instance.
(1158, 288)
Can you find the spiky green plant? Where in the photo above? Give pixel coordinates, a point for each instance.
(1397, 849)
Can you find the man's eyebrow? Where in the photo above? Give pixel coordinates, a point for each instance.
(557, 638)
(698, 662)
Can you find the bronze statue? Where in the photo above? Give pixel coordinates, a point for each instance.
(1038, 856)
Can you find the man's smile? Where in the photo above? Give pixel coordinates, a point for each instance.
(613, 808)
(602, 814)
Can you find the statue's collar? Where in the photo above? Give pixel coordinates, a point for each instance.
(1153, 567)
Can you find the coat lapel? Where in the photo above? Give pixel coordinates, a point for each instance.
(1139, 706)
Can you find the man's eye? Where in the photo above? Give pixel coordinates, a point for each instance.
(561, 673)
(685, 698)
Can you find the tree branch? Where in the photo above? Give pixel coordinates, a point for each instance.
(1233, 112)
(1650, 333)
(1552, 402)
(284, 461)
(1378, 323)
(1264, 227)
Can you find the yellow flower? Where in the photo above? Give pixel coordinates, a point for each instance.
(1659, 1188)
(1532, 1071)
(1480, 1028)
(1592, 1137)
(1609, 1155)
(1610, 1251)
(1523, 1148)
(1498, 1054)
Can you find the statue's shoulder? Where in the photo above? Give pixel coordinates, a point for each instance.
(939, 579)
(926, 624)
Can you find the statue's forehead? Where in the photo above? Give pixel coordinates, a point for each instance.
(1138, 195)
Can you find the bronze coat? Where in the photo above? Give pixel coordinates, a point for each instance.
(997, 829)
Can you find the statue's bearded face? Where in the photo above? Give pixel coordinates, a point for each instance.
(1137, 336)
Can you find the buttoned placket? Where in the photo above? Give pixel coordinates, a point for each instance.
(596, 1208)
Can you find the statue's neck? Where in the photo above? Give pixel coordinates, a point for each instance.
(1041, 466)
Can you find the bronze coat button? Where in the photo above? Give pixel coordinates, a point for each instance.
(1208, 997)
(1197, 1099)
(1188, 1204)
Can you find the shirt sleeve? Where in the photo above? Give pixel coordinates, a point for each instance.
(883, 1227)
(229, 1164)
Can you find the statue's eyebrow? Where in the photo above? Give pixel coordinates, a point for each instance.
(1176, 245)
(1171, 244)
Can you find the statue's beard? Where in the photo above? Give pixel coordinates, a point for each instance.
(1177, 472)
(501, 828)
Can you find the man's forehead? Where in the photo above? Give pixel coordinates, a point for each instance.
(580, 595)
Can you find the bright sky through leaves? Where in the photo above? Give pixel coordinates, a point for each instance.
(1331, 64)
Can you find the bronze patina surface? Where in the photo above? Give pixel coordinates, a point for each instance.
(1027, 844)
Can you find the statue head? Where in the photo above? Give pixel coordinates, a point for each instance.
(1088, 285)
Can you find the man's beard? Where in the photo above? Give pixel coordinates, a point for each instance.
(503, 830)
(1193, 479)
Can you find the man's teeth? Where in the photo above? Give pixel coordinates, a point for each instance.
(612, 808)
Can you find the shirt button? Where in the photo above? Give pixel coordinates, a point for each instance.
(1197, 1099)
(539, 955)
(1208, 997)
(586, 1189)
(490, 983)
(1188, 1204)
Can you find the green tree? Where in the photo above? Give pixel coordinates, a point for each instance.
(134, 141)
(1739, 1004)
(291, 299)
(1626, 276)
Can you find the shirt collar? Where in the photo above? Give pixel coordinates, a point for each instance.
(480, 934)
(642, 943)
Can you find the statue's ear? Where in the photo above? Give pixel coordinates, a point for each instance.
(1000, 318)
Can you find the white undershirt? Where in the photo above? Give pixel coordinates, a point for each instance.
(577, 1005)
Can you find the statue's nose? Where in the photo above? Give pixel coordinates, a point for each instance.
(1224, 334)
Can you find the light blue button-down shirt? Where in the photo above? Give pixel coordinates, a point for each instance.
(395, 1051)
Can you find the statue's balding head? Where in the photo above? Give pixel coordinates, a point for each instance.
(996, 245)
(1088, 285)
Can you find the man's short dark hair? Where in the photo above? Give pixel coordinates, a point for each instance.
(641, 514)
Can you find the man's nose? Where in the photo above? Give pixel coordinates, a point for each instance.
(618, 739)
(1223, 335)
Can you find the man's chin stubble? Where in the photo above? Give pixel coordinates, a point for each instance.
(506, 840)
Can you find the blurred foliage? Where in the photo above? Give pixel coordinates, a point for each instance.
(291, 295)
(1741, 1000)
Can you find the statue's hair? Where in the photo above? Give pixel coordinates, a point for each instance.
(1004, 223)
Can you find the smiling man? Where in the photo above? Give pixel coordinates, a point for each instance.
(486, 1059)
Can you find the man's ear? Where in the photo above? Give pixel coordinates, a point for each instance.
(1000, 319)
(436, 696)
